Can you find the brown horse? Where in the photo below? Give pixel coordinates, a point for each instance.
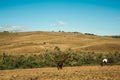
(61, 60)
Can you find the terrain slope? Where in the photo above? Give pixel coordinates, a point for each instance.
(36, 42)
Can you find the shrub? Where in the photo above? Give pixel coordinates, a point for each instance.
(49, 59)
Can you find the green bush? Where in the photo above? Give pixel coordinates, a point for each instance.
(49, 59)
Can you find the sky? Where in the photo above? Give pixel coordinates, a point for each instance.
(100, 17)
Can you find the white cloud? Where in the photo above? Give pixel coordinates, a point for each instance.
(52, 25)
(12, 28)
(59, 23)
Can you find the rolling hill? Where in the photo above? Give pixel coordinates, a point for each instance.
(36, 42)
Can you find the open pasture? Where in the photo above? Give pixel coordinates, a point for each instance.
(68, 73)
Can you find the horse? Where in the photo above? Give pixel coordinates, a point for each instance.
(60, 64)
(61, 60)
(106, 62)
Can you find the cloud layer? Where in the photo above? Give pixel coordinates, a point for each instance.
(59, 23)
(12, 28)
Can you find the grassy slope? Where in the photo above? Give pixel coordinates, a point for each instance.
(33, 42)
(68, 73)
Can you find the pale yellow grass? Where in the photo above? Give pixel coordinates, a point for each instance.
(32, 42)
(68, 73)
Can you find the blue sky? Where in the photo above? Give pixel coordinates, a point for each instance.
(100, 17)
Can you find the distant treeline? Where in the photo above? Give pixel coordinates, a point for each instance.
(90, 34)
(49, 59)
(115, 36)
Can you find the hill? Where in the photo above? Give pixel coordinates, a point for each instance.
(36, 42)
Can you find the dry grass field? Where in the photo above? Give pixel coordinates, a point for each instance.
(68, 73)
(36, 42)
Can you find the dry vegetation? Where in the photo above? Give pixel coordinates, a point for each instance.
(68, 73)
(36, 42)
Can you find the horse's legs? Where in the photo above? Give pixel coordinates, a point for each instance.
(61, 66)
(101, 63)
(105, 63)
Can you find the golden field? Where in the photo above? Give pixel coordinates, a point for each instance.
(37, 42)
(22, 43)
(68, 73)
